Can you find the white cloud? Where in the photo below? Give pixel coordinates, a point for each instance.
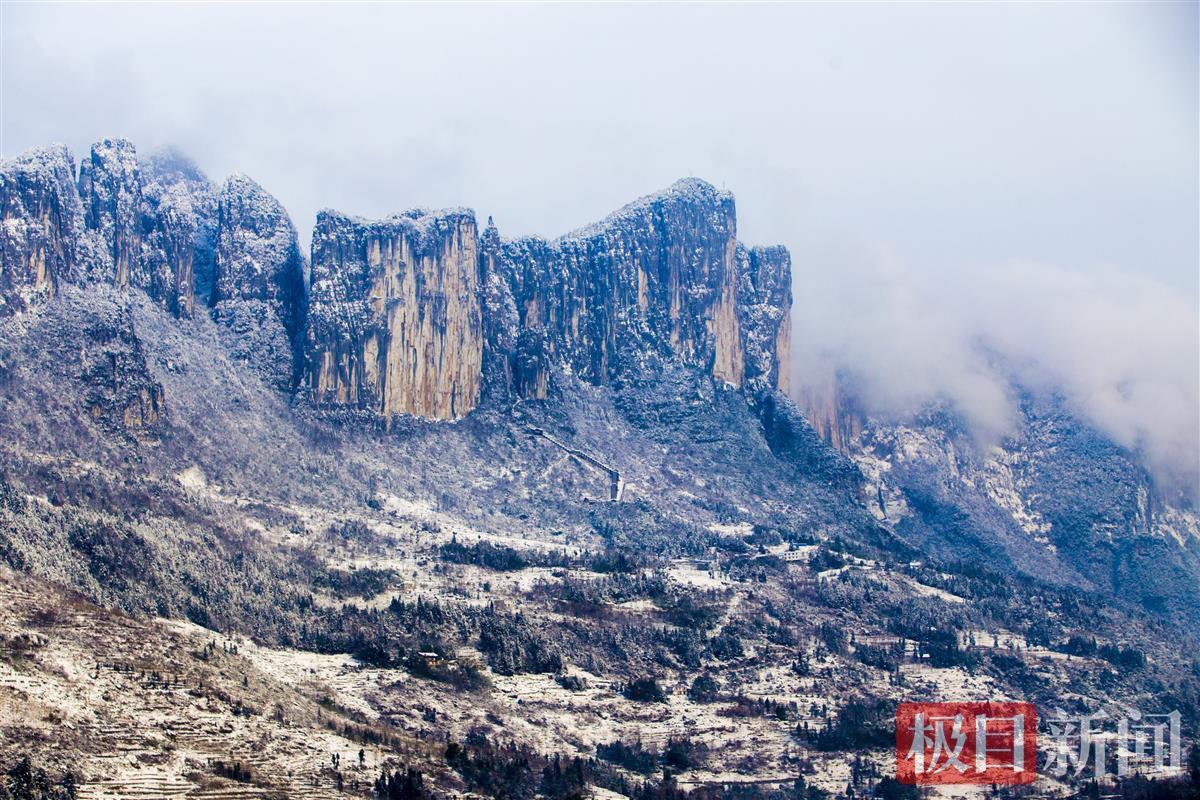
(1058, 132)
(1124, 349)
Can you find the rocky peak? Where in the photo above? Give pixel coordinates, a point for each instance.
(41, 224)
(663, 274)
(418, 313)
(765, 305)
(689, 200)
(126, 224)
(259, 287)
(110, 188)
(180, 217)
(258, 255)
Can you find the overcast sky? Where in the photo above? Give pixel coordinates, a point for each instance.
(937, 142)
(959, 134)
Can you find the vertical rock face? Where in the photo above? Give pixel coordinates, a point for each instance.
(124, 223)
(414, 314)
(832, 411)
(259, 291)
(501, 322)
(395, 324)
(665, 274)
(179, 212)
(765, 307)
(121, 394)
(156, 226)
(41, 224)
(110, 187)
(152, 222)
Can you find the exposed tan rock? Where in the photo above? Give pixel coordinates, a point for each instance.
(395, 323)
(831, 411)
(41, 225)
(783, 353)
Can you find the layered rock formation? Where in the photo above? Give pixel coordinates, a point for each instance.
(394, 324)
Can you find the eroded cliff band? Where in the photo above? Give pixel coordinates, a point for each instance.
(409, 315)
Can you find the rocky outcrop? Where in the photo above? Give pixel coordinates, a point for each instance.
(159, 227)
(110, 188)
(664, 274)
(415, 314)
(1055, 499)
(121, 393)
(792, 438)
(259, 292)
(765, 308)
(501, 325)
(41, 227)
(395, 325)
(123, 223)
(179, 210)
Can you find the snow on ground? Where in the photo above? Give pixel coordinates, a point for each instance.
(735, 529)
(140, 708)
(932, 591)
(687, 574)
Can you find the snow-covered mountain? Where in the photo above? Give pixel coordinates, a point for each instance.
(508, 517)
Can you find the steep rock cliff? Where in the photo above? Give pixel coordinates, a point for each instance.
(179, 212)
(395, 325)
(123, 223)
(501, 323)
(831, 407)
(664, 274)
(259, 285)
(41, 225)
(764, 306)
(415, 314)
(110, 188)
(121, 393)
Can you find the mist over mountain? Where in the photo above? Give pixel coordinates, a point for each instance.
(447, 497)
(601, 401)
(1122, 349)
